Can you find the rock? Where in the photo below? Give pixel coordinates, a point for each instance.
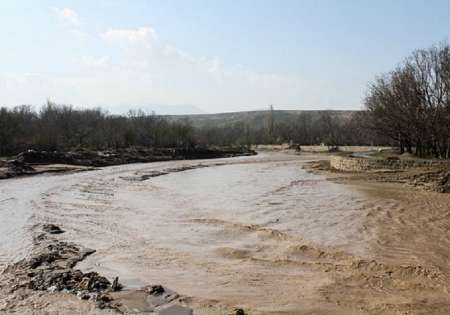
(43, 259)
(52, 289)
(239, 311)
(15, 168)
(52, 229)
(84, 284)
(176, 310)
(50, 269)
(59, 279)
(83, 295)
(102, 298)
(116, 286)
(96, 282)
(156, 289)
(159, 296)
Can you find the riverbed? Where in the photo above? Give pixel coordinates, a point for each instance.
(256, 232)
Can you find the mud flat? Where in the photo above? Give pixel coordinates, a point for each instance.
(257, 234)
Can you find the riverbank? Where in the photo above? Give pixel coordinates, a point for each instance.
(33, 162)
(422, 175)
(47, 280)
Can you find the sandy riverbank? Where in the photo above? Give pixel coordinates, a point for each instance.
(411, 218)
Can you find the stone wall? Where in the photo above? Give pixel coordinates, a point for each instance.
(343, 148)
(351, 164)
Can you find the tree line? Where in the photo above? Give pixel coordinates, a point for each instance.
(63, 127)
(305, 128)
(411, 104)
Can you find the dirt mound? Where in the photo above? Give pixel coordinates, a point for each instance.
(124, 156)
(89, 158)
(15, 168)
(33, 162)
(52, 229)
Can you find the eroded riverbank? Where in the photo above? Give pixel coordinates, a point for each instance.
(258, 233)
(33, 162)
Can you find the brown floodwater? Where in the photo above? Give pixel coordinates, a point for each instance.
(255, 232)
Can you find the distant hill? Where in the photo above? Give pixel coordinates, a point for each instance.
(172, 109)
(255, 119)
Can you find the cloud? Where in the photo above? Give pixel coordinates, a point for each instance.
(67, 16)
(71, 21)
(173, 52)
(140, 68)
(144, 51)
(139, 36)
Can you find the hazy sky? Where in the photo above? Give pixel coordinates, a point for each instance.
(216, 55)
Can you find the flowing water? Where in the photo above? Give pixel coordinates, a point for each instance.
(258, 232)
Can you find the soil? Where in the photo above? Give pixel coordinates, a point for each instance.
(33, 162)
(433, 178)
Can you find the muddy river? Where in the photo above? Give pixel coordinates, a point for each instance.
(255, 232)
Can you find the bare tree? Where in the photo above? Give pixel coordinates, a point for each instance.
(411, 104)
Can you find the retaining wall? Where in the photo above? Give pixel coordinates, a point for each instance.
(351, 164)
